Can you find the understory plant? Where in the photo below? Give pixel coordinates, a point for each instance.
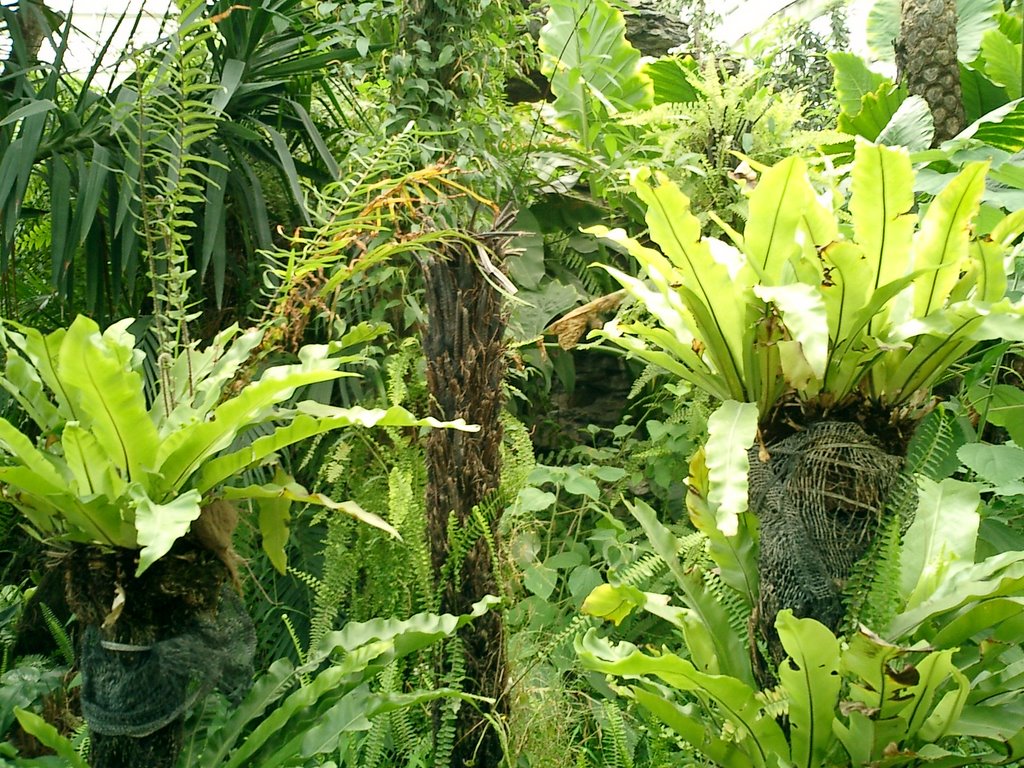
(142, 476)
(933, 677)
(823, 329)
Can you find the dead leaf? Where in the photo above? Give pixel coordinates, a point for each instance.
(115, 608)
(571, 327)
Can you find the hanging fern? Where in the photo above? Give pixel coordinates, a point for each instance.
(166, 122)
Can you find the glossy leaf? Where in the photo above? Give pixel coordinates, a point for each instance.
(160, 525)
(810, 677)
(731, 431)
(110, 394)
(594, 70)
(944, 531)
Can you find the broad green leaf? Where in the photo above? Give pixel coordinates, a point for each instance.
(876, 112)
(267, 689)
(702, 735)
(848, 283)
(881, 204)
(999, 465)
(777, 208)
(50, 737)
(944, 531)
(160, 525)
(34, 107)
(947, 712)
(307, 420)
(912, 126)
(991, 273)
(111, 395)
(23, 383)
(731, 431)
(406, 635)
(980, 95)
(716, 300)
(964, 583)
(43, 352)
(1002, 405)
(1002, 128)
(274, 515)
(942, 240)
(934, 670)
(979, 620)
(93, 470)
(612, 603)
(728, 651)
(540, 580)
(735, 700)
(853, 80)
(670, 78)
(352, 713)
(295, 492)
(278, 732)
(870, 661)
(43, 467)
(1002, 61)
(735, 556)
(810, 677)
(802, 309)
(184, 452)
(593, 69)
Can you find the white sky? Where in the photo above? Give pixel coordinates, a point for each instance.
(97, 18)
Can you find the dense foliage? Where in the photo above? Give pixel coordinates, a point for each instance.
(354, 415)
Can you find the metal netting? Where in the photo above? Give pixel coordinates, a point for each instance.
(135, 690)
(819, 499)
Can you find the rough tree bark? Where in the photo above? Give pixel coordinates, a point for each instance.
(464, 348)
(927, 63)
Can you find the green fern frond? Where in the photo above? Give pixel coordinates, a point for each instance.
(614, 739)
(872, 592)
(517, 457)
(647, 375)
(59, 634)
(171, 114)
(444, 739)
(640, 573)
(737, 609)
(311, 581)
(932, 449)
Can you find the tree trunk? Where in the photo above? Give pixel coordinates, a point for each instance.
(152, 646)
(463, 343)
(927, 63)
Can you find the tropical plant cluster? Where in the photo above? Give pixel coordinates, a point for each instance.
(356, 413)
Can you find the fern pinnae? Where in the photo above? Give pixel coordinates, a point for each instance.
(371, 751)
(933, 446)
(444, 733)
(59, 634)
(615, 731)
(641, 572)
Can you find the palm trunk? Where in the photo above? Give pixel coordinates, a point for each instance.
(927, 63)
(464, 348)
